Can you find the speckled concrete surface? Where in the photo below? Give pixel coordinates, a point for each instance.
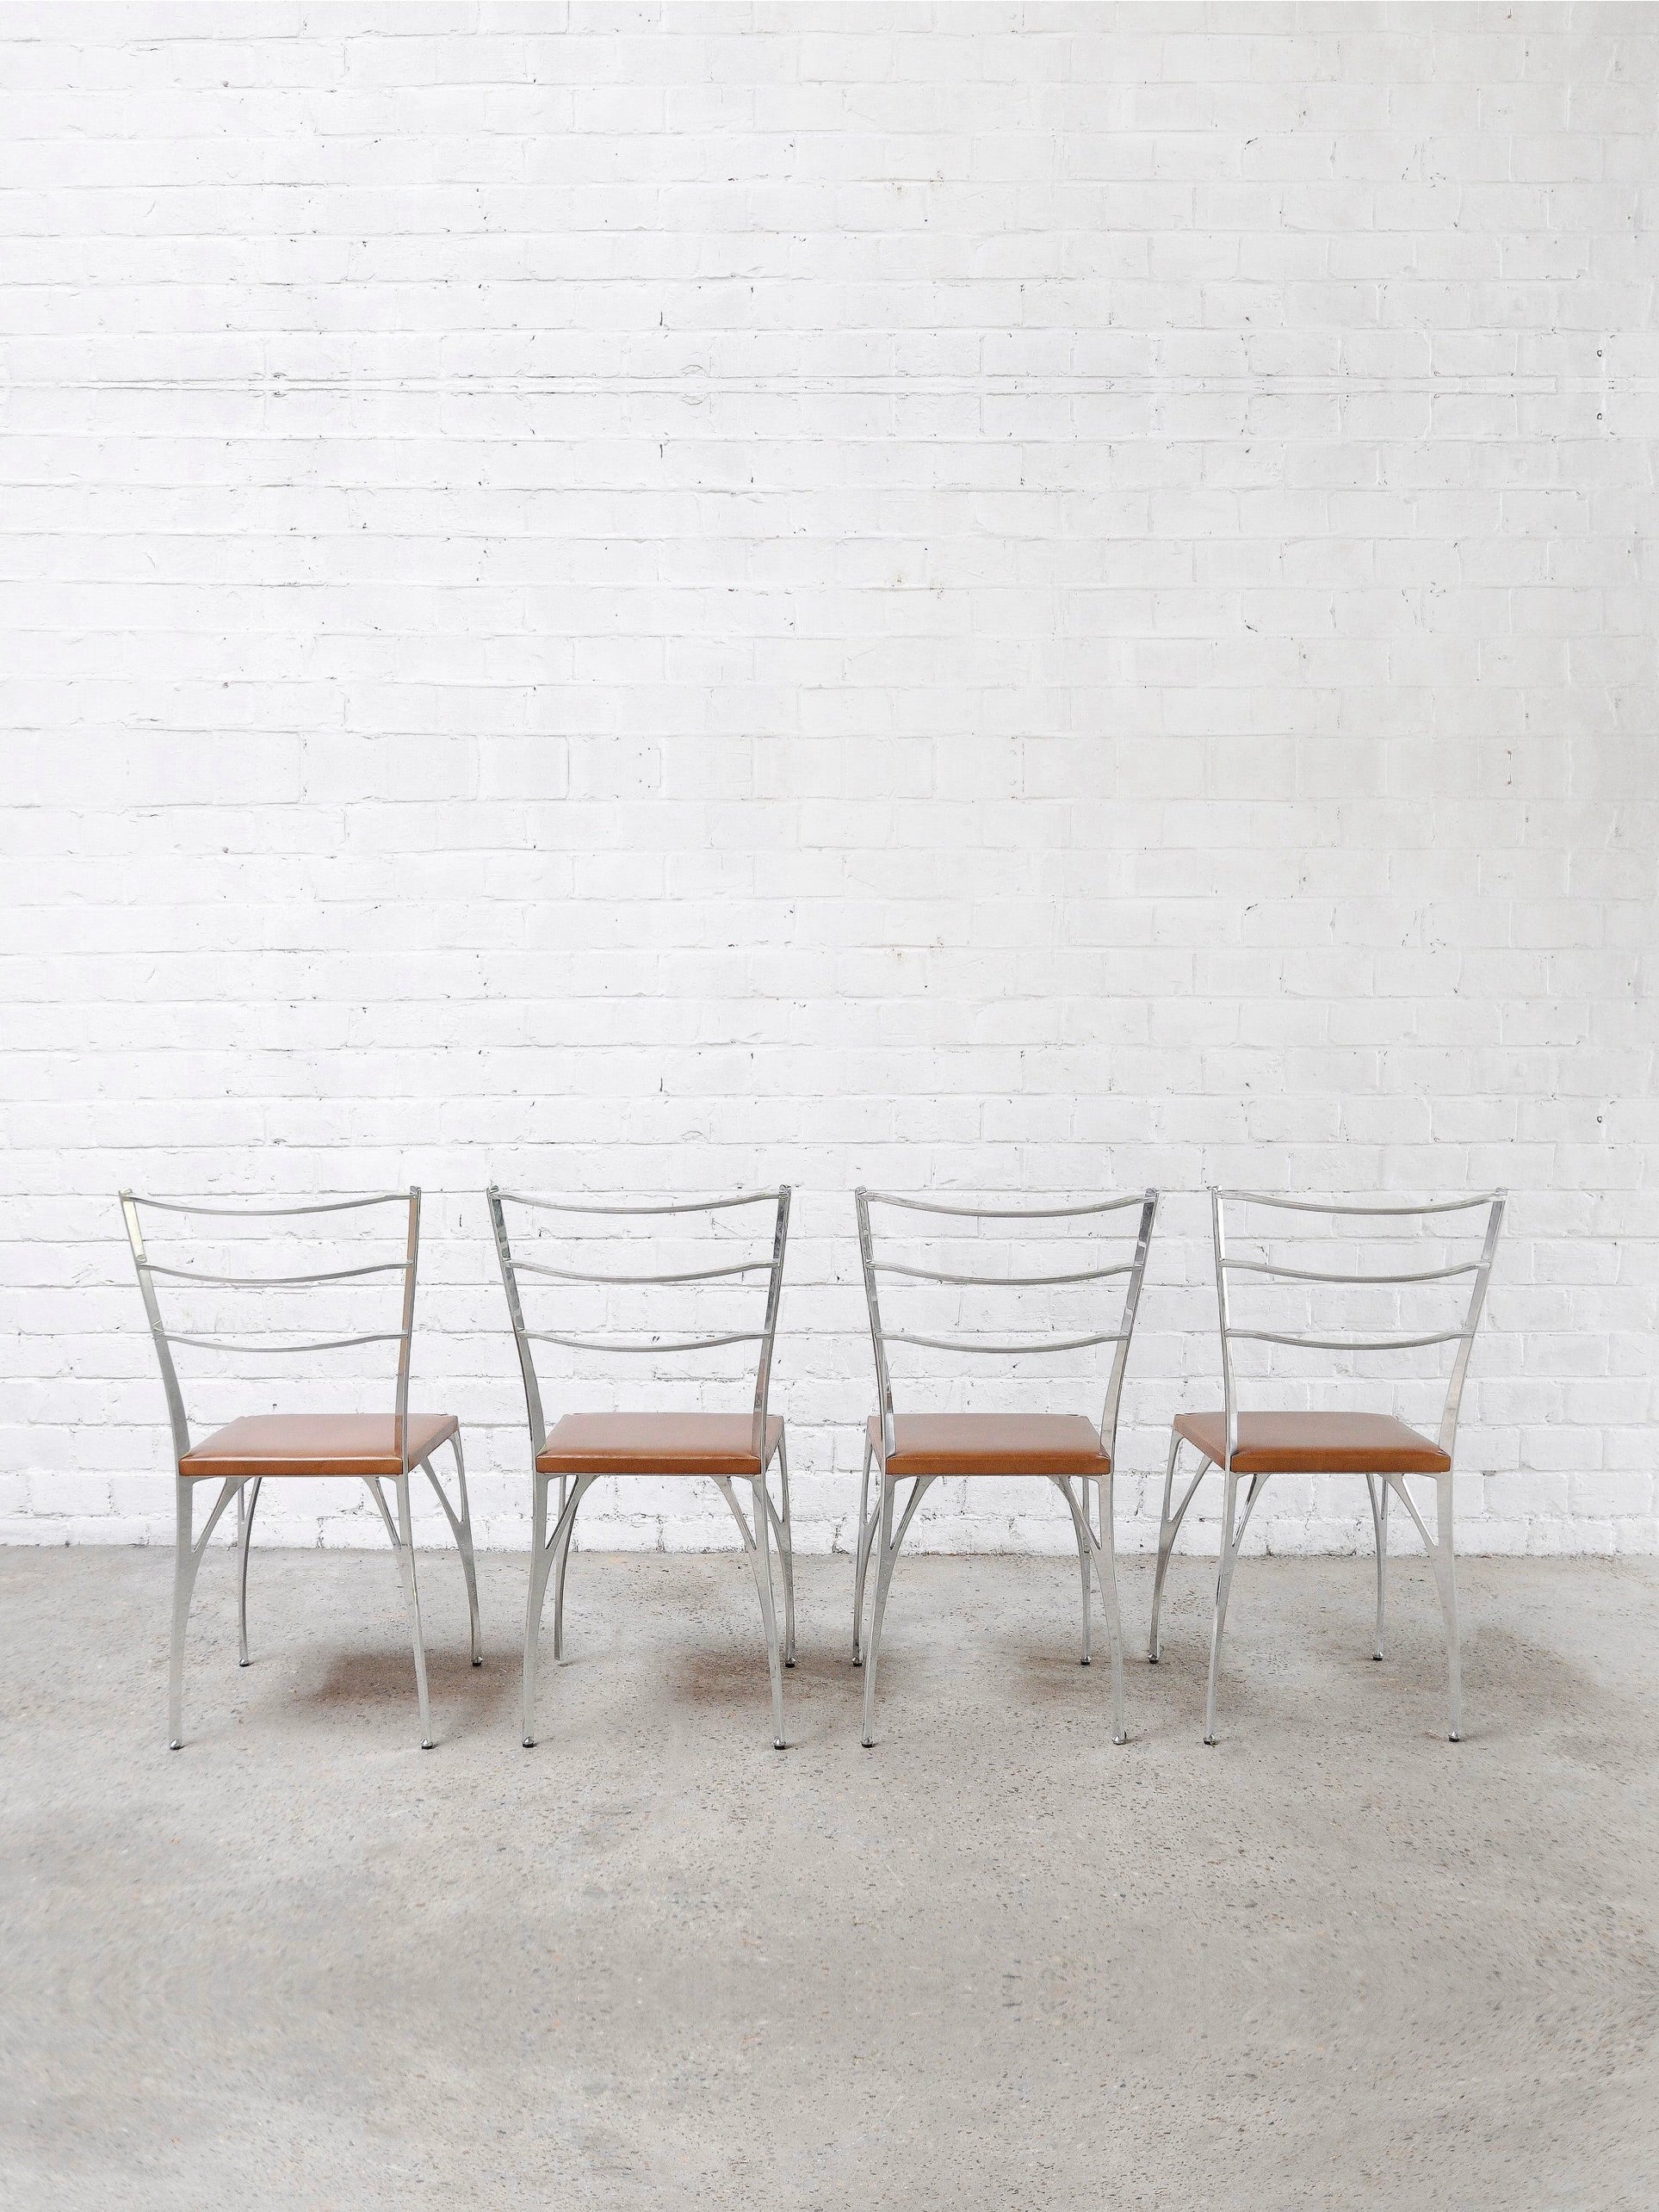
(1335, 1962)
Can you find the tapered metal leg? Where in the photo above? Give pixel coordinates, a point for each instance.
(891, 1540)
(542, 1559)
(763, 1566)
(1439, 1546)
(464, 1538)
(404, 1547)
(861, 1557)
(1103, 1550)
(883, 1578)
(786, 1551)
(1166, 1528)
(1231, 1539)
(244, 1537)
(1106, 1567)
(537, 1591)
(187, 1559)
(1083, 1562)
(1379, 1489)
(1446, 1576)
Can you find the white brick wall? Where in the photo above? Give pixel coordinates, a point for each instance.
(983, 597)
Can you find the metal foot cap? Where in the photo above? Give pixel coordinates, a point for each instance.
(528, 1742)
(1120, 1736)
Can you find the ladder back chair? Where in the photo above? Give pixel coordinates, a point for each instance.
(1249, 1447)
(241, 1457)
(1063, 1448)
(582, 1447)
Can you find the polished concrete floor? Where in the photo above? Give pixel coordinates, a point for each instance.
(1335, 1961)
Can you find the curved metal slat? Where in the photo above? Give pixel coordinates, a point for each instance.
(1344, 1343)
(273, 1281)
(323, 1345)
(680, 1205)
(1315, 1274)
(971, 1344)
(1000, 1282)
(1332, 1206)
(695, 1274)
(1001, 1212)
(268, 1212)
(619, 1344)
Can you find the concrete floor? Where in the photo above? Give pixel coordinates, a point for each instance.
(1335, 1961)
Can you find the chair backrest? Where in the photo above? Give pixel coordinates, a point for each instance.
(579, 1221)
(1130, 1272)
(1229, 1215)
(278, 1340)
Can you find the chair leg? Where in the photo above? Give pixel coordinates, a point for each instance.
(1084, 1563)
(1167, 1533)
(1377, 1487)
(891, 1539)
(762, 1568)
(244, 1537)
(861, 1557)
(1106, 1566)
(1446, 1576)
(883, 1578)
(1101, 1552)
(464, 1538)
(1231, 1539)
(542, 1557)
(406, 1551)
(187, 1558)
(786, 1550)
(564, 1535)
(184, 1563)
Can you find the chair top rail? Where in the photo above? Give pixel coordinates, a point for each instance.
(323, 1345)
(1000, 1282)
(268, 1212)
(1336, 1206)
(1004, 1213)
(691, 1275)
(1344, 1343)
(973, 1345)
(649, 1345)
(1319, 1274)
(274, 1282)
(676, 1206)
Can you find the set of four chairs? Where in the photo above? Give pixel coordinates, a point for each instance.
(1012, 1253)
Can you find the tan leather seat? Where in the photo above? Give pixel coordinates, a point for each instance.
(993, 1444)
(655, 1444)
(317, 1443)
(1316, 1443)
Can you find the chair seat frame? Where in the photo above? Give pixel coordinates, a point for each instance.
(245, 1489)
(1380, 1483)
(883, 1528)
(552, 1528)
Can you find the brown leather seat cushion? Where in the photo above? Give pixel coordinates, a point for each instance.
(317, 1443)
(656, 1444)
(993, 1444)
(1316, 1443)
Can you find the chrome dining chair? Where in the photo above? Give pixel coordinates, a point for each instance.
(1252, 1446)
(923, 1448)
(726, 1448)
(243, 1455)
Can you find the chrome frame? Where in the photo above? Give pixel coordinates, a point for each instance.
(1378, 1484)
(550, 1552)
(188, 1550)
(1094, 1543)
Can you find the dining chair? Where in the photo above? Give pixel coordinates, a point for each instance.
(582, 1447)
(925, 1448)
(1250, 1447)
(370, 1448)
